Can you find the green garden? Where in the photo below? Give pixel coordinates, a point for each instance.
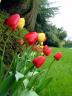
(35, 58)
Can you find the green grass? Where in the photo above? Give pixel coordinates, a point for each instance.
(61, 71)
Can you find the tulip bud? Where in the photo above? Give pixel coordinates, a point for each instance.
(41, 37)
(38, 61)
(20, 42)
(12, 21)
(31, 37)
(21, 23)
(58, 56)
(46, 50)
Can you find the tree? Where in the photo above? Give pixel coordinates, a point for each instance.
(55, 36)
(62, 33)
(45, 12)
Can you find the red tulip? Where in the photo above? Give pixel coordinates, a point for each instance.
(12, 21)
(31, 37)
(58, 56)
(47, 51)
(20, 42)
(39, 61)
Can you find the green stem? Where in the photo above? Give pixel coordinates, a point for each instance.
(32, 73)
(10, 67)
(5, 45)
(6, 84)
(1, 60)
(48, 69)
(50, 65)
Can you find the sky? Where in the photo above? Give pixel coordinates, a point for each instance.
(64, 18)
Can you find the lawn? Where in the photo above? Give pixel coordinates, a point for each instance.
(61, 71)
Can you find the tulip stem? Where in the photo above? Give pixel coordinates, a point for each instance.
(1, 65)
(50, 65)
(10, 67)
(33, 73)
(48, 69)
(5, 45)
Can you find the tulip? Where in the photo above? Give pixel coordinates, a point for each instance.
(12, 21)
(34, 48)
(46, 50)
(41, 37)
(37, 48)
(40, 49)
(20, 42)
(58, 56)
(38, 61)
(31, 37)
(21, 23)
(42, 46)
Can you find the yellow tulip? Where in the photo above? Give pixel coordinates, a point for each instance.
(41, 37)
(42, 47)
(21, 23)
(41, 43)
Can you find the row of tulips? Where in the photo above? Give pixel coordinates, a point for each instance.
(31, 39)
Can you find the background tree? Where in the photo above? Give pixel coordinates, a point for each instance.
(55, 36)
(62, 33)
(45, 12)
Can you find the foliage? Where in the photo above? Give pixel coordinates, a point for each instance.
(68, 44)
(5, 33)
(55, 36)
(17, 61)
(62, 33)
(45, 12)
(19, 73)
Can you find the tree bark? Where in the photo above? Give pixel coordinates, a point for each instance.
(32, 16)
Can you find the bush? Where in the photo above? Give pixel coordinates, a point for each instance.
(11, 45)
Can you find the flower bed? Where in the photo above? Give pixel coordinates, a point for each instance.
(22, 54)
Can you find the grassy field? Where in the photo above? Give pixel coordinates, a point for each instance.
(61, 71)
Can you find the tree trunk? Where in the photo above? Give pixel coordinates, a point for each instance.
(32, 16)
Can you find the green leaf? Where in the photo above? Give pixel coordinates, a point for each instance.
(32, 74)
(42, 85)
(32, 82)
(1, 68)
(31, 93)
(25, 82)
(26, 93)
(6, 84)
(18, 75)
